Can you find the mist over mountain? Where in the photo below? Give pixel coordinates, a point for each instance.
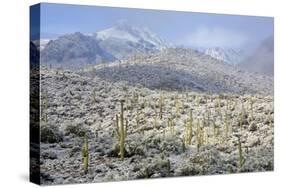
(228, 55)
(262, 59)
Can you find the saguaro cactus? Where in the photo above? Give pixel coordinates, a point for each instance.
(171, 125)
(226, 125)
(190, 127)
(251, 106)
(161, 101)
(45, 104)
(121, 131)
(85, 154)
(94, 97)
(241, 158)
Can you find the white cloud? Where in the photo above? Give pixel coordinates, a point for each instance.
(213, 37)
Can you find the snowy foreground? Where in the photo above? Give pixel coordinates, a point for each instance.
(169, 132)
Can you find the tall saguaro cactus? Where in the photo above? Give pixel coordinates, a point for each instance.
(85, 154)
(121, 130)
(190, 127)
(241, 158)
(161, 101)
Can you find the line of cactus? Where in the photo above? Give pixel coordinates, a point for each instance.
(121, 130)
(85, 154)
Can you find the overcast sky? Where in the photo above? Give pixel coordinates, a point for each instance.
(181, 28)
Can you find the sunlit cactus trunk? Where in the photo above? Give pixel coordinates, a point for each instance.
(85, 154)
(190, 127)
(121, 131)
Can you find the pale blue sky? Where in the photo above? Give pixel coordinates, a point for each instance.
(182, 28)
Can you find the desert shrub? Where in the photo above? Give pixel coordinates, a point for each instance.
(77, 130)
(50, 134)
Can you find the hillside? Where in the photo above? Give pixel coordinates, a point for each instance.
(184, 70)
(168, 133)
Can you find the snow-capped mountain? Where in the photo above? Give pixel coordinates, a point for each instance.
(123, 39)
(228, 55)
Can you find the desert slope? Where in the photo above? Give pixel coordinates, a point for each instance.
(184, 70)
(156, 144)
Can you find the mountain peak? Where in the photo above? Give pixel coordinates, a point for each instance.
(123, 39)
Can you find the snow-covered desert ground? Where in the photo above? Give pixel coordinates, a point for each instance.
(196, 122)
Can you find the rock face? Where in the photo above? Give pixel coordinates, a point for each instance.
(158, 126)
(262, 60)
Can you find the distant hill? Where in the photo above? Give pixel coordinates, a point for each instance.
(76, 49)
(262, 60)
(228, 55)
(185, 70)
